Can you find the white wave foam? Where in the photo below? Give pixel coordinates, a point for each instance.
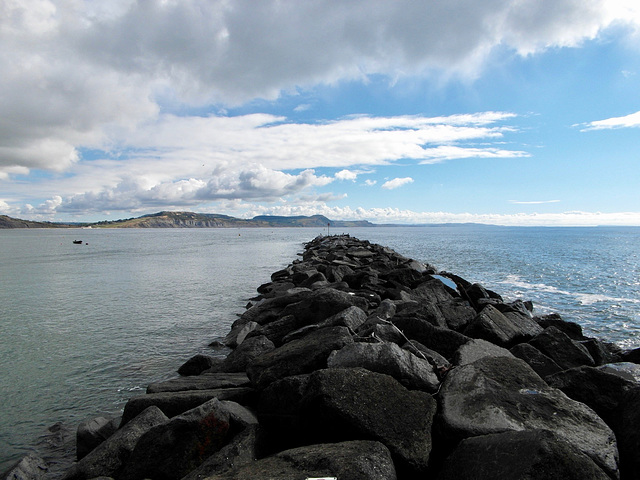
(583, 298)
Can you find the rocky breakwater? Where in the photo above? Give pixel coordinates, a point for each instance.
(355, 362)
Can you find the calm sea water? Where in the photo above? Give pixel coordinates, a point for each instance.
(85, 327)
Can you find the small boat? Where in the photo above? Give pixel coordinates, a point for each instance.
(78, 242)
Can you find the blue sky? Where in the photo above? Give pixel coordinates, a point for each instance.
(503, 112)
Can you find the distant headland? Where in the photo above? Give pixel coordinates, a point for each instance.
(167, 219)
(192, 220)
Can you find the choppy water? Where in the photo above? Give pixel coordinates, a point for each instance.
(84, 327)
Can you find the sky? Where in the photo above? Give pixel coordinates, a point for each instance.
(522, 112)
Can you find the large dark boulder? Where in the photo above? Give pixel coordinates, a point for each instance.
(109, 457)
(537, 360)
(29, 467)
(322, 304)
(303, 355)
(477, 349)
(356, 460)
(385, 357)
(175, 403)
(519, 455)
(354, 403)
(442, 340)
(601, 391)
(246, 352)
(561, 349)
(171, 450)
(571, 329)
(498, 394)
(93, 432)
(504, 330)
(196, 365)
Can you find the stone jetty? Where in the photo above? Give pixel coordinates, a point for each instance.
(356, 362)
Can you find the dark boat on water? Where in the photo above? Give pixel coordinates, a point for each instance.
(78, 242)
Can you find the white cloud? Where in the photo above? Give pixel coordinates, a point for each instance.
(628, 121)
(256, 183)
(396, 183)
(346, 175)
(73, 72)
(370, 183)
(398, 216)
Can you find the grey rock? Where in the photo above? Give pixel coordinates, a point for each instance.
(571, 329)
(323, 303)
(413, 372)
(298, 356)
(519, 455)
(477, 349)
(498, 394)
(537, 360)
(351, 318)
(205, 381)
(93, 432)
(355, 460)
(354, 403)
(175, 403)
(558, 346)
(29, 467)
(196, 365)
(492, 325)
(173, 449)
(442, 340)
(434, 358)
(108, 458)
(246, 352)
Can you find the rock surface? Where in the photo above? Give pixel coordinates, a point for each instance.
(357, 362)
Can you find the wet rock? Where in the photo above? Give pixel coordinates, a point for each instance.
(298, 356)
(519, 455)
(356, 460)
(498, 394)
(413, 372)
(109, 457)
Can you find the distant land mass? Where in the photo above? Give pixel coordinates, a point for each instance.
(192, 220)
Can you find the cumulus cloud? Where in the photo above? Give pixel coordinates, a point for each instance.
(256, 183)
(74, 72)
(627, 121)
(346, 175)
(396, 183)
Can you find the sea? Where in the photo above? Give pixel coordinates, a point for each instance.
(86, 326)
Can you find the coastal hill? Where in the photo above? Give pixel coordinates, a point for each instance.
(192, 220)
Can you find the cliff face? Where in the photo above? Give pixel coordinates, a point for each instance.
(356, 362)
